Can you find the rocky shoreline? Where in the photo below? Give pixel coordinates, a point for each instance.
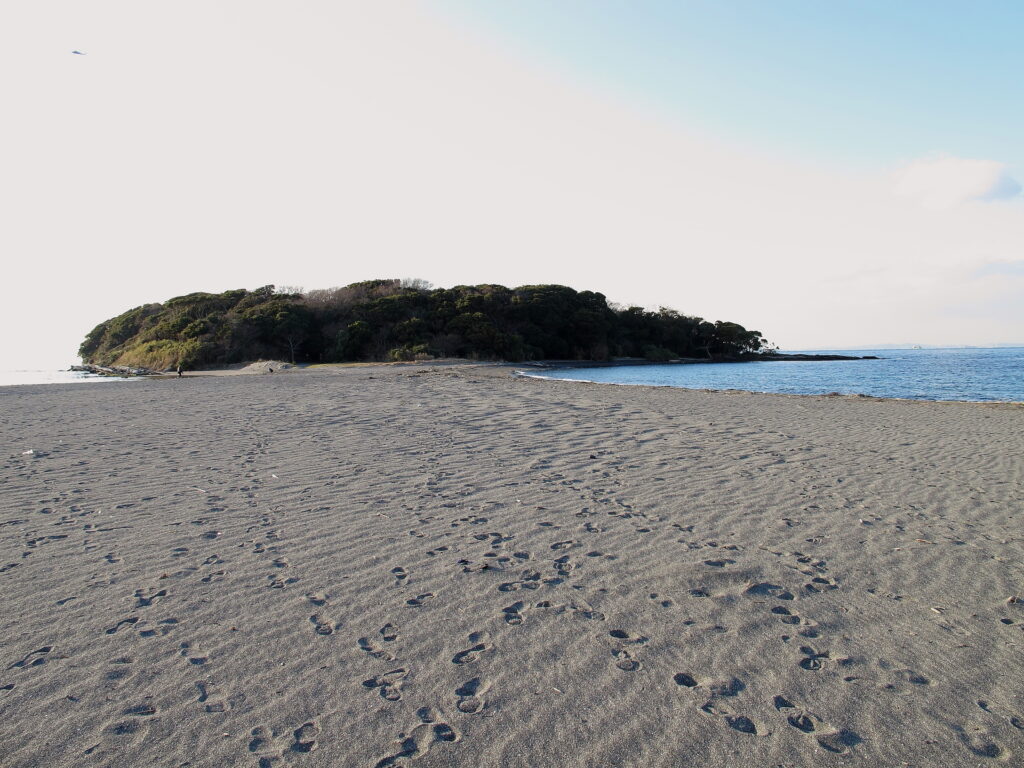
(116, 370)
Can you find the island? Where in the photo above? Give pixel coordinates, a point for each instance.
(408, 320)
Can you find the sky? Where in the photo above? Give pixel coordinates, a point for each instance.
(834, 175)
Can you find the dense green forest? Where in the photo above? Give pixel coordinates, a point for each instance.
(404, 320)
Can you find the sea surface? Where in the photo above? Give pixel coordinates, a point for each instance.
(51, 376)
(970, 374)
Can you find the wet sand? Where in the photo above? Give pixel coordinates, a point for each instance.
(452, 566)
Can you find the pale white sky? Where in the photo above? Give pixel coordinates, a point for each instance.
(223, 144)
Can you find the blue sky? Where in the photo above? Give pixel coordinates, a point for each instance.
(862, 82)
(832, 174)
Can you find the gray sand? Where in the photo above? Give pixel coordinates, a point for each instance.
(455, 567)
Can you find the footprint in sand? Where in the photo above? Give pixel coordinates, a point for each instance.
(479, 644)
(587, 613)
(468, 566)
(419, 600)
(494, 537)
(164, 626)
(401, 575)
(188, 652)
(1015, 720)
(664, 602)
(271, 748)
(821, 584)
(625, 660)
(685, 679)
(131, 620)
(623, 637)
(766, 589)
(527, 580)
(786, 616)
(118, 736)
(835, 740)
(798, 717)
(741, 723)
(470, 520)
(389, 632)
(513, 614)
(729, 688)
(304, 737)
(34, 658)
(213, 700)
(147, 600)
(419, 741)
(563, 566)
(368, 646)
(813, 660)
(317, 598)
(470, 696)
(388, 685)
(278, 582)
(322, 625)
(737, 722)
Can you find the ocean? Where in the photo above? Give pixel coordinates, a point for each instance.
(51, 376)
(970, 374)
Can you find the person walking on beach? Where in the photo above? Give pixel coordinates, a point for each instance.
(179, 370)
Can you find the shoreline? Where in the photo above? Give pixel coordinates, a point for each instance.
(516, 370)
(847, 395)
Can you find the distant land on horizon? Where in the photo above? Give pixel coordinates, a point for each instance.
(390, 320)
(868, 347)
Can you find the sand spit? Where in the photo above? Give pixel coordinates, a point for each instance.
(454, 566)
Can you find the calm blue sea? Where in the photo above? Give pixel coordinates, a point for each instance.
(917, 374)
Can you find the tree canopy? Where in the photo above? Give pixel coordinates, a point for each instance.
(404, 320)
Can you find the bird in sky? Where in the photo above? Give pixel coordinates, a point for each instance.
(78, 53)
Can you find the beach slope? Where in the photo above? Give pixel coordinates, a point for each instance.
(454, 566)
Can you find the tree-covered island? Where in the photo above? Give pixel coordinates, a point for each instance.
(381, 320)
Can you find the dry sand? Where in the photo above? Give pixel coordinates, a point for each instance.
(456, 567)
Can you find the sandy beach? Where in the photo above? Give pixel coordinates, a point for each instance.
(455, 566)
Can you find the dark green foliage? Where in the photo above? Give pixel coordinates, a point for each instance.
(396, 320)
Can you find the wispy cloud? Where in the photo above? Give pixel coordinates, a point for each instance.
(1007, 268)
(944, 182)
(417, 147)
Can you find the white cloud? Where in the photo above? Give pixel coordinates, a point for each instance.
(944, 182)
(326, 142)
